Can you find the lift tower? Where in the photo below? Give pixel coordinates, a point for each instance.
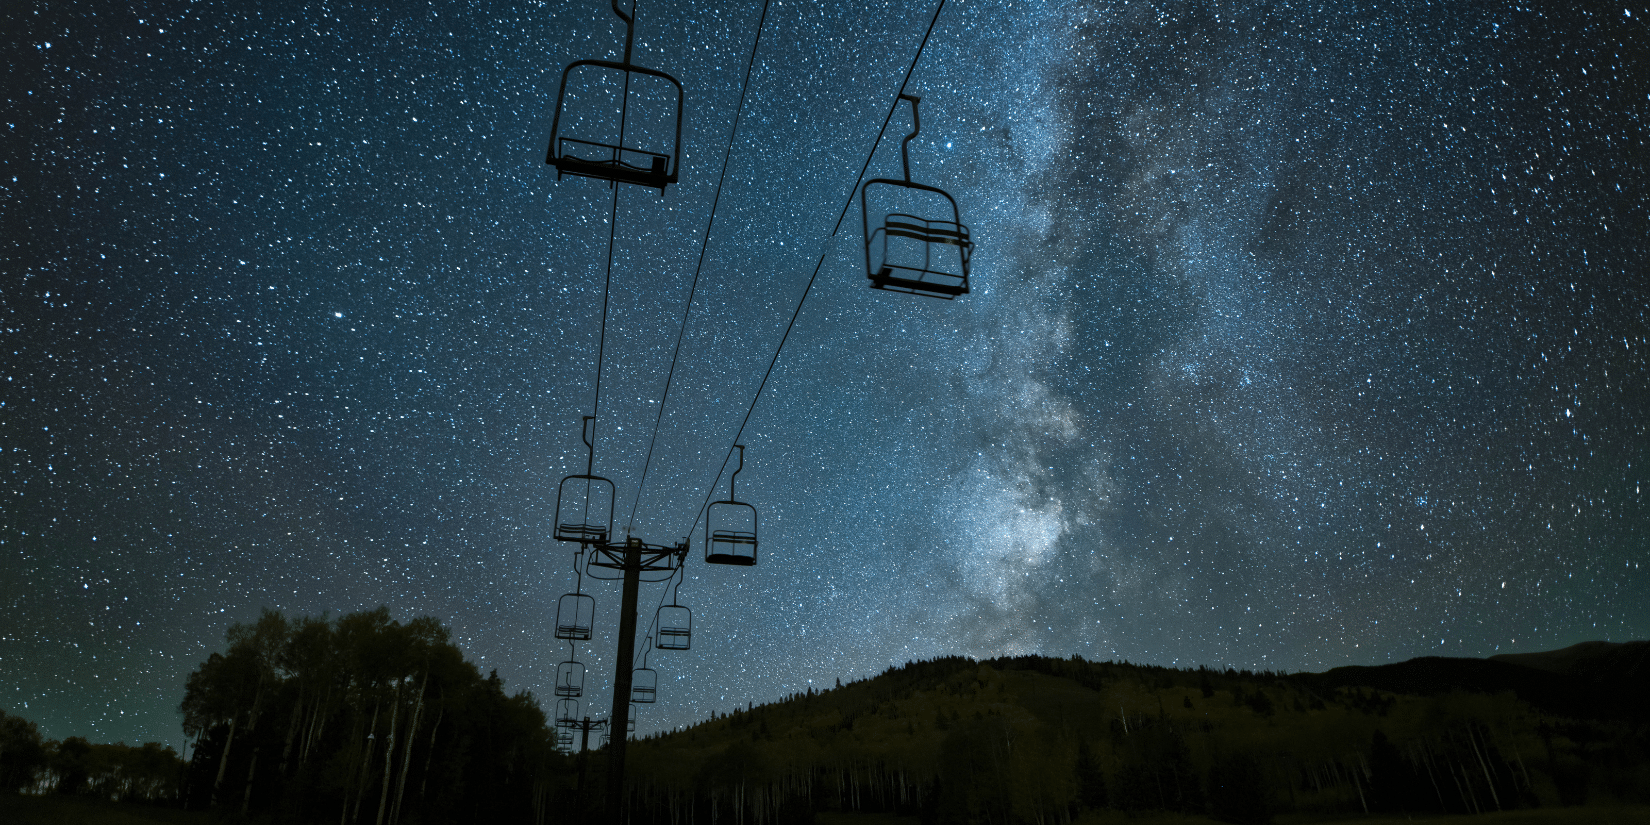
(634, 561)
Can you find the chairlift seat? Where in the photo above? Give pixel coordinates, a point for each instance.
(567, 713)
(612, 163)
(675, 628)
(644, 686)
(731, 547)
(584, 509)
(609, 155)
(675, 639)
(575, 616)
(730, 533)
(570, 679)
(914, 254)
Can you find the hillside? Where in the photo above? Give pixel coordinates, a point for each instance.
(1591, 680)
(1039, 740)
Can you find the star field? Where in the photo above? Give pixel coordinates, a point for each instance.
(1301, 335)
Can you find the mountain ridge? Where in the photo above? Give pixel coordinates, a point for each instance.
(1038, 739)
(1589, 680)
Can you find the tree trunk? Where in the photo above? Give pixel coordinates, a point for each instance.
(292, 731)
(1472, 738)
(1358, 783)
(317, 725)
(223, 759)
(429, 759)
(389, 754)
(251, 725)
(406, 755)
(246, 795)
(366, 764)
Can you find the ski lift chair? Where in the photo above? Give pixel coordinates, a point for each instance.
(584, 502)
(919, 245)
(575, 616)
(570, 679)
(602, 143)
(644, 681)
(644, 686)
(730, 533)
(675, 628)
(584, 509)
(567, 713)
(617, 122)
(913, 254)
(730, 526)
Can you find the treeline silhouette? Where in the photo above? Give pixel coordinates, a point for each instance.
(363, 719)
(1039, 740)
(151, 773)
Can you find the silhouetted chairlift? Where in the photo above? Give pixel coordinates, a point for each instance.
(675, 628)
(570, 679)
(630, 721)
(584, 503)
(644, 681)
(567, 713)
(919, 245)
(674, 622)
(609, 136)
(575, 616)
(564, 738)
(730, 526)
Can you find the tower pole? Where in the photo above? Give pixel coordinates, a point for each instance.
(619, 719)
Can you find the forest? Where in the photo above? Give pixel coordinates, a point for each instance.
(364, 719)
(1039, 740)
(151, 773)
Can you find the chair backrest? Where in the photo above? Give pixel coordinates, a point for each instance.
(926, 231)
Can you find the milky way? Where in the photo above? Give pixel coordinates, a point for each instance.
(1301, 335)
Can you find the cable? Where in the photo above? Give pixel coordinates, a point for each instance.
(612, 229)
(694, 288)
(823, 252)
(601, 340)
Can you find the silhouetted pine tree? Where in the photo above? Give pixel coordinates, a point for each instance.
(1091, 783)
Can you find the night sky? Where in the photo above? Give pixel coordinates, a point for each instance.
(1301, 335)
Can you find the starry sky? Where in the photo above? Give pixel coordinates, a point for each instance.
(1302, 335)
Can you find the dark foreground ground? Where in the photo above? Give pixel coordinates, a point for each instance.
(1631, 815)
(63, 810)
(79, 810)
